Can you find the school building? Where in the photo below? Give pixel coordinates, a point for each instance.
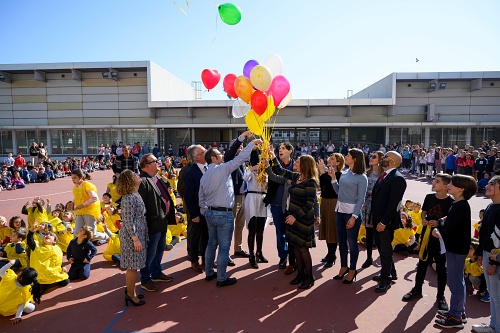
(74, 107)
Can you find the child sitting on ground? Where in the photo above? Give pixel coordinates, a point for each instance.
(178, 230)
(112, 252)
(64, 230)
(46, 258)
(16, 251)
(16, 223)
(79, 253)
(35, 212)
(477, 225)
(474, 275)
(16, 291)
(404, 238)
(5, 231)
(416, 216)
(112, 219)
(481, 184)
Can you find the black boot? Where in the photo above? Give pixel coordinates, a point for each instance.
(307, 283)
(253, 262)
(298, 279)
(261, 258)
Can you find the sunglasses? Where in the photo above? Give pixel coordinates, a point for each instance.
(153, 161)
(373, 156)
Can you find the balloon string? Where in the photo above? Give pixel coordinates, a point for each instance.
(213, 40)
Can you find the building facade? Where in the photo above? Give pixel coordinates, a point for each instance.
(74, 107)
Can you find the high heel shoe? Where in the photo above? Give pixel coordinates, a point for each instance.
(330, 262)
(307, 283)
(138, 296)
(326, 258)
(253, 262)
(298, 279)
(343, 271)
(346, 281)
(260, 257)
(129, 299)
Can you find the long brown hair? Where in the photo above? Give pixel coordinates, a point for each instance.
(308, 168)
(380, 170)
(359, 167)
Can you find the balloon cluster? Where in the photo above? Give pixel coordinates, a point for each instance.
(259, 91)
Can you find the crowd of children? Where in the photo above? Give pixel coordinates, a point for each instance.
(32, 249)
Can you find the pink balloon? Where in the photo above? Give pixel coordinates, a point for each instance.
(228, 84)
(210, 78)
(280, 87)
(250, 64)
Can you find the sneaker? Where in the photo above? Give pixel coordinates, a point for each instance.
(163, 278)
(483, 328)
(444, 314)
(485, 298)
(149, 286)
(449, 322)
(442, 304)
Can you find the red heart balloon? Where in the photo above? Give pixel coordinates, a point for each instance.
(229, 85)
(259, 102)
(210, 78)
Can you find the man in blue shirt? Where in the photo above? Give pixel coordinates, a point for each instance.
(216, 200)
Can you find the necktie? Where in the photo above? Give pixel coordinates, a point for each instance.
(205, 168)
(382, 177)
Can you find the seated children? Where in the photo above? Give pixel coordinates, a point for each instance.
(79, 253)
(46, 258)
(178, 230)
(16, 291)
(404, 238)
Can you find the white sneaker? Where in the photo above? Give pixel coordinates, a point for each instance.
(483, 328)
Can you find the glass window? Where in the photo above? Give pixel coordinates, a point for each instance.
(454, 136)
(96, 137)
(6, 142)
(436, 137)
(130, 136)
(25, 138)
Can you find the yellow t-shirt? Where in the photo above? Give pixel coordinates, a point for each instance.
(11, 296)
(179, 229)
(47, 261)
(10, 251)
(168, 240)
(81, 195)
(112, 190)
(472, 268)
(111, 221)
(112, 248)
(35, 215)
(5, 233)
(63, 235)
(402, 236)
(416, 217)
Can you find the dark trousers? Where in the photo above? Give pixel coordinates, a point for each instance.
(440, 260)
(79, 271)
(383, 241)
(199, 239)
(256, 233)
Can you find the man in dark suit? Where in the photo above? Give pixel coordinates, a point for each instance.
(160, 211)
(386, 197)
(239, 194)
(198, 230)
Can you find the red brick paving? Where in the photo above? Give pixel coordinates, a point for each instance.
(261, 301)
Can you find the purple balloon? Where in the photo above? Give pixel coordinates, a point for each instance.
(249, 66)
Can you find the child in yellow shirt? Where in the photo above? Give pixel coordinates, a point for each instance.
(112, 252)
(416, 216)
(112, 219)
(5, 231)
(404, 238)
(473, 273)
(16, 250)
(64, 230)
(36, 212)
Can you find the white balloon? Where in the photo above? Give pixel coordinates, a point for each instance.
(240, 108)
(285, 100)
(275, 64)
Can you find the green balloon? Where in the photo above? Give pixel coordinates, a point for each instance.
(230, 13)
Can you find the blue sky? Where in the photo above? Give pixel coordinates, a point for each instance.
(327, 47)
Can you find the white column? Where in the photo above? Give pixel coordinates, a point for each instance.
(193, 136)
(386, 143)
(84, 142)
(119, 134)
(346, 135)
(155, 138)
(14, 143)
(427, 136)
(49, 143)
(468, 135)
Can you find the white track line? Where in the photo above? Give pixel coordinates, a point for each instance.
(31, 197)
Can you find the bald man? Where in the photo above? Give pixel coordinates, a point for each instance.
(386, 197)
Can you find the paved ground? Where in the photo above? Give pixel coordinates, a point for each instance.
(261, 301)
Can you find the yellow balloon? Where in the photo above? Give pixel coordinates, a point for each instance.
(261, 77)
(269, 111)
(254, 122)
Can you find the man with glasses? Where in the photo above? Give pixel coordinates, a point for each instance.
(216, 201)
(160, 211)
(387, 193)
(197, 225)
(489, 241)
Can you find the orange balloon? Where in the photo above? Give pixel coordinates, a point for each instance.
(243, 88)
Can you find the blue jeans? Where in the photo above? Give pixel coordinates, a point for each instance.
(154, 254)
(279, 223)
(455, 264)
(220, 233)
(493, 284)
(348, 236)
(79, 271)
